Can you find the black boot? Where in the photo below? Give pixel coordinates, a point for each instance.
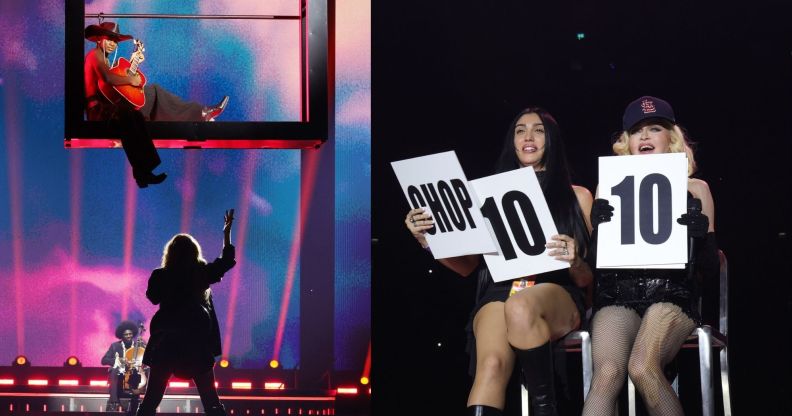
(217, 410)
(537, 368)
(481, 410)
(144, 179)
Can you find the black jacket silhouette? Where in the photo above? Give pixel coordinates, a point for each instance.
(185, 334)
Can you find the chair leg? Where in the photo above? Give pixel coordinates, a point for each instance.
(526, 409)
(630, 397)
(705, 367)
(724, 376)
(585, 350)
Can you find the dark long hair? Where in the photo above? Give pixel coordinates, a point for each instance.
(555, 181)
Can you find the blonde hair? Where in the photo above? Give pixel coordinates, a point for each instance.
(679, 143)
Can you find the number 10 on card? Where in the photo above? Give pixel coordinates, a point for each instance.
(648, 193)
(520, 221)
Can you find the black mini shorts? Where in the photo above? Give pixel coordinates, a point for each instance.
(639, 289)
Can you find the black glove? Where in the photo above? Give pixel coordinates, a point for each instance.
(601, 211)
(696, 222)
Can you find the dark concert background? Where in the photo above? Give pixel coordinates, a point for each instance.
(448, 76)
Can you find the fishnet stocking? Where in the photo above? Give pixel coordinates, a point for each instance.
(614, 330)
(663, 331)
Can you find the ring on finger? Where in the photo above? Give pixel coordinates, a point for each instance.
(412, 219)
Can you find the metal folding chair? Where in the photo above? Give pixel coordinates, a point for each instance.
(705, 338)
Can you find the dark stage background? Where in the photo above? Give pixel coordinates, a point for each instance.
(449, 76)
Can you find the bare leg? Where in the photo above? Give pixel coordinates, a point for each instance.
(534, 317)
(494, 357)
(663, 331)
(613, 332)
(538, 314)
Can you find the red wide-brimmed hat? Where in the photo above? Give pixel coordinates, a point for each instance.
(107, 30)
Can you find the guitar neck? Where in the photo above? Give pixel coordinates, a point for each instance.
(134, 66)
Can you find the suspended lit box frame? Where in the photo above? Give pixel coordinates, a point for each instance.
(310, 131)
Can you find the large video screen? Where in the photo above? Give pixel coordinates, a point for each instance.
(78, 239)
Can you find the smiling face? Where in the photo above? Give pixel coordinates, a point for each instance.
(651, 136)
(529, 140)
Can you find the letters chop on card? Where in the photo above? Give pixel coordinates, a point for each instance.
(648, 194)
(437, 183)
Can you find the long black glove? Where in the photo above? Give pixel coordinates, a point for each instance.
(601, 211)
(697, 223)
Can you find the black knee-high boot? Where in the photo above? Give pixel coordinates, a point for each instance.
(537, 368)
(481, 410)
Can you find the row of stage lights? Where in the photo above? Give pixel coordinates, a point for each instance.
(236, 385)
(22, 361)
(73, 361)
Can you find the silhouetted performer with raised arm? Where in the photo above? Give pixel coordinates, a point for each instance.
(185, 336)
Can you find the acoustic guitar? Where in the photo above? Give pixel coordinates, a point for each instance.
(134, 95)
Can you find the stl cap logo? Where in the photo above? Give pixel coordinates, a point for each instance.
(647, 106)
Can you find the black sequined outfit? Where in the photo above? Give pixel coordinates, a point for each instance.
(638, 289)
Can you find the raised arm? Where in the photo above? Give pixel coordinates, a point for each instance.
(218, 267)
(418, 222)
(228, 221)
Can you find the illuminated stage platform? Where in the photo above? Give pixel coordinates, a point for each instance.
(84, 390)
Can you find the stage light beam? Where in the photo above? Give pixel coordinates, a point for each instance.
(306, 194)
(248, 171)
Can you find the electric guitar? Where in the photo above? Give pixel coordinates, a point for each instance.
(134, 95)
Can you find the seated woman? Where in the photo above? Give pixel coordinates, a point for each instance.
(159, 104)
(642, 316)
(522, 325)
